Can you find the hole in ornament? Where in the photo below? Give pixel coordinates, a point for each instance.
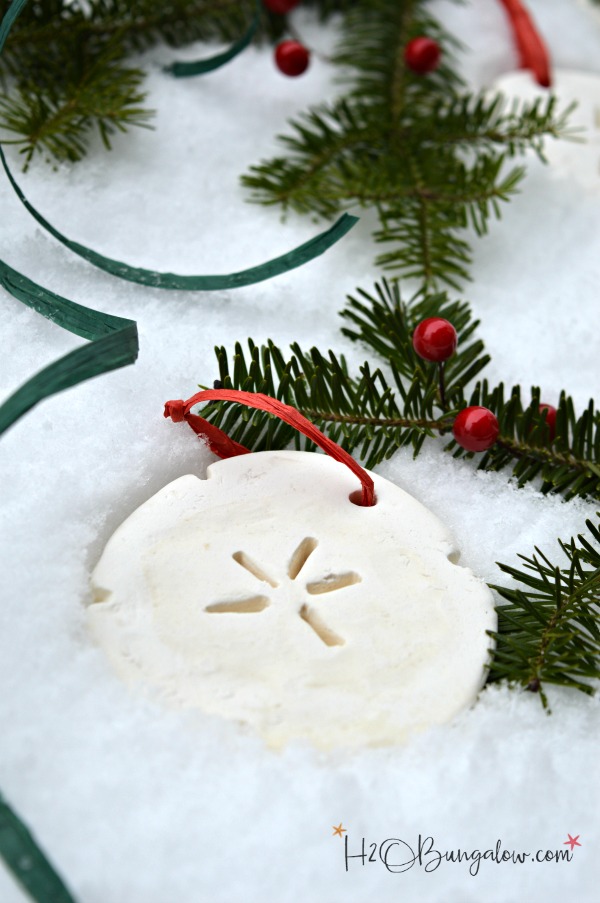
(99, 594)
(253, 567)
(300, 556)
(356, 499)
(323, 632)
(242, 606)
(332, 582)
(454, 557)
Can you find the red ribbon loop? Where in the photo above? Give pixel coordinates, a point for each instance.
(532, 50)
(220, 443)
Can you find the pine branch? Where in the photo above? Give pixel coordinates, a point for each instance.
(371, 50)
(105, 95)
(64, 65)
(322, 151)
(384, 323)
(360, 413)
(486, 122)
(445, 196)
(380, 410)
(431, 160)
(135, 24)
(549, 628)
(567, 464)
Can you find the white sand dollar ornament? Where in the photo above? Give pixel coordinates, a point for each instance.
(265, 595)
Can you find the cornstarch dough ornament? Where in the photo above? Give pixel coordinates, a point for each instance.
(279, 594)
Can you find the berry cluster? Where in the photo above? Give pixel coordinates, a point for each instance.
(475, 428)
(421, 54)
(280, 7)
(435, 339)
(291, 57)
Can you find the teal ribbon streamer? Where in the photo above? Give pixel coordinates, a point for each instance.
(27, 862)
(11, 14)
(156, 279)
(113, 344)
(201, 67)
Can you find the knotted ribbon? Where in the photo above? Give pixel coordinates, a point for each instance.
(220, 443)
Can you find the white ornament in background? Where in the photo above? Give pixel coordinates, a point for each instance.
(577, 161)
(263, 594)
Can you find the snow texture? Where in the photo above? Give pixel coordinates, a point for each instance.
(137, 804)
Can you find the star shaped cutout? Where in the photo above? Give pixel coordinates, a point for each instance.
(327, 584)
(572, 841)
(340, 830)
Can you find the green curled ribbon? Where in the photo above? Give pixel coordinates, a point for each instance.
(27, 862)
(12, 12)
(113, 344)
(201, 67)
(156, 279)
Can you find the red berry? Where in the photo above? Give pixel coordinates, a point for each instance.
(422, 55)
(291, 57)
(280, 7)
(550, 412)
(476, 428)
(435, 339)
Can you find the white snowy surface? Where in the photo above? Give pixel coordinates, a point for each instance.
(135, 804)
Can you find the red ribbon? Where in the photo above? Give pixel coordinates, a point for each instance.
(220, 443)
(532, 50)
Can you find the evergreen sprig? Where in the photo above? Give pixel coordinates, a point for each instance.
(59, 119)
(549, 626)
(66, 73)
(371, 414)
(428, 156)
(405, 399)
(569, 463)
(66, 68)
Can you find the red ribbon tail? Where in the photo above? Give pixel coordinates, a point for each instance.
(533, 52)
(218, 441)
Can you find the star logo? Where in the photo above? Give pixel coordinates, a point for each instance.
(340, 830)
(572, 841)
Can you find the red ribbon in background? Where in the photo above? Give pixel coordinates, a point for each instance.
(533, 53)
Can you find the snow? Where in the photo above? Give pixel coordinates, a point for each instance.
(137, 804)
